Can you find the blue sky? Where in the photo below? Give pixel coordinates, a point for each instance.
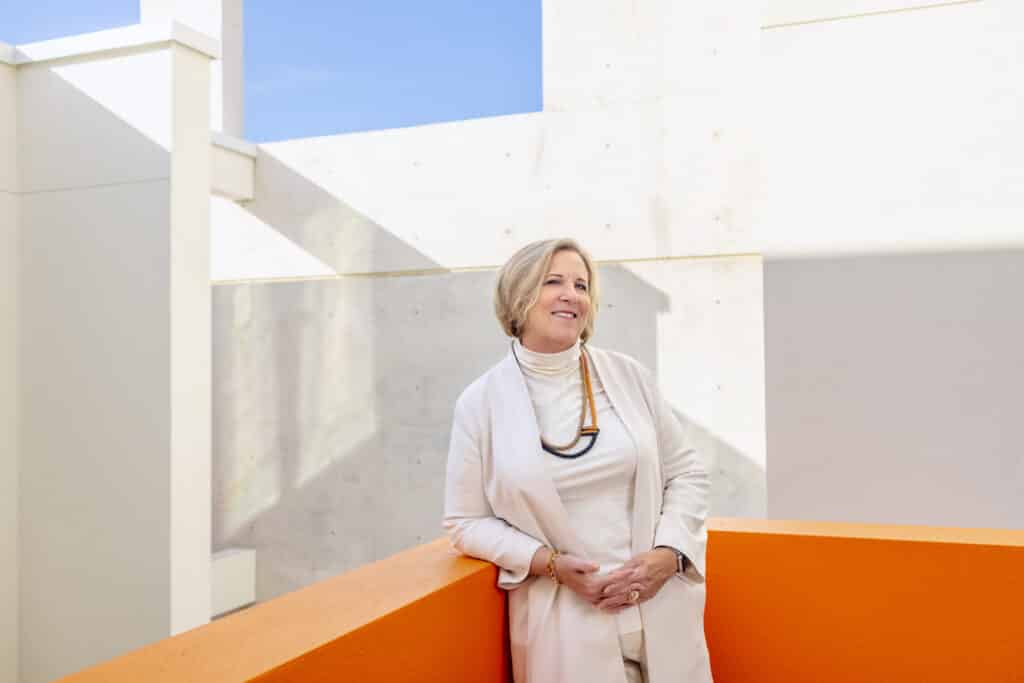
(350, 65)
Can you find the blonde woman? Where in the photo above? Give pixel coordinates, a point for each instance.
(568, 470)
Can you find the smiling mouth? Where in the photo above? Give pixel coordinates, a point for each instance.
(568, 315)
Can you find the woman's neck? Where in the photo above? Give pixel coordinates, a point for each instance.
(538, 363)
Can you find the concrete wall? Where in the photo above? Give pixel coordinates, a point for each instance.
(891, 224)
(333, 395)
(893, 385)
(114, 320)
(870, 146)
(8, 374)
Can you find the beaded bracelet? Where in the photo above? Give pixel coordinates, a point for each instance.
(551, 565)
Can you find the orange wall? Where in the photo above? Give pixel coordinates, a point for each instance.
(812, 602)
(792, 602)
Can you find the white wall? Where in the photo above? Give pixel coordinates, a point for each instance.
(8, 376)
(890, 132)
(114, 355)
(333, 396)
(891, 224)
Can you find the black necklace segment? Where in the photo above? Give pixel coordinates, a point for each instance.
(590, 433)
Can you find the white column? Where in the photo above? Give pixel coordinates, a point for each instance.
(115, 347)
(8, 374)
(221, 20)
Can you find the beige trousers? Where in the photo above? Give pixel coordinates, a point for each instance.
(632, 645)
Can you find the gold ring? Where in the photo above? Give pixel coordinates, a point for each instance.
(634, 595)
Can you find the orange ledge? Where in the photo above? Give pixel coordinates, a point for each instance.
(424, 614)
(810, 602)
(787, 601)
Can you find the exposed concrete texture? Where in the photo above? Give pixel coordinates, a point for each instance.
(114, 314)
(333, 399)
(891, 378)
(242, 246)
(598, 53)
(9, 455)
(893, 388)
(894, 148)
(635, 182)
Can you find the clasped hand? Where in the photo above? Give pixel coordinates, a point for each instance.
(645, 573)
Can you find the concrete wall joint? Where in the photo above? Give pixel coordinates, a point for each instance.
(863, 15)
(423, 272)
(143, 181)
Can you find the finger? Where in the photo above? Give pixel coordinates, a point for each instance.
(612, 603)
(616, 588)
(620, 574)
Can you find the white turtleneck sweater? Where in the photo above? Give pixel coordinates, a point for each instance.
(597, 488)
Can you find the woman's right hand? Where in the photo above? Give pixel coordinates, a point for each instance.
(579, 575)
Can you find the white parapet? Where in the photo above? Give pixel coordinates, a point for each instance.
(125, 38)
(232, 580)
(233, 167)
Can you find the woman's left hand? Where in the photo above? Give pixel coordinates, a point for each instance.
(647, 573)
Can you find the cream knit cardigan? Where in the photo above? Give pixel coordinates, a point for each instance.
(501, 505)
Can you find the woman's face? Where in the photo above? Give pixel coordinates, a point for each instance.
(557, 319)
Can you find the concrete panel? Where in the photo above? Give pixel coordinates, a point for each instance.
(190, 361)
(121, 134)
(96, 425)
(710, 362)
(775, 12)
(893, 388)
(244, 247)
(599, 53)
(333, 399)
(666, 179)
(870, 146)
(9, 447)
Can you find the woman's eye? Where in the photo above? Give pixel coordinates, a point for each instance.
(580, 286)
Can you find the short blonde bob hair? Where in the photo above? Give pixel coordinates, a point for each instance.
(522, 276)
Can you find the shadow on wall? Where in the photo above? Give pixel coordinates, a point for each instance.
(333, 398)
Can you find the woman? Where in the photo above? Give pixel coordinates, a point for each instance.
(568, 470)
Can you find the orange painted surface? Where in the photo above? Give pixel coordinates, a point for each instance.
(838, 603)
(422, 615)
(794, 602)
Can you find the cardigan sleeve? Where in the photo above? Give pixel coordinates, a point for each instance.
(683, 521)
(473, 528)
